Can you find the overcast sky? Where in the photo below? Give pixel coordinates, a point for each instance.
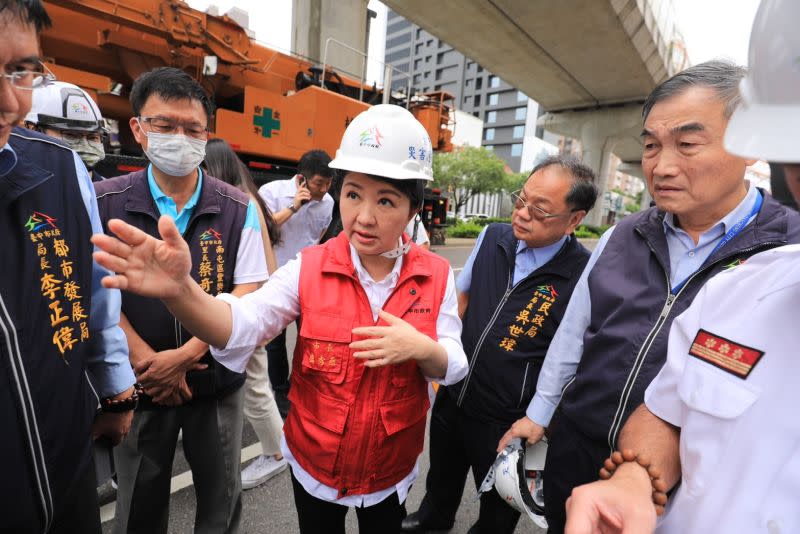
(711, 28)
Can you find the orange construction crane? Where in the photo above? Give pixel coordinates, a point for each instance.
(271, 107)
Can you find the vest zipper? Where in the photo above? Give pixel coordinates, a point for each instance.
(28, 414)
(616, 422)
(509, 289)
(524, 381)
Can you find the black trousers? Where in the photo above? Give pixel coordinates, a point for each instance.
(278, 363)
(459, 442)
(572, 460)
(316, 516)
(80, 511)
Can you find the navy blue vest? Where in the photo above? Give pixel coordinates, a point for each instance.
(213, 236)
(625, 344)
(46, 402)
(507, 329)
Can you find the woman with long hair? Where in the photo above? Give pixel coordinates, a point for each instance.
(259, 401)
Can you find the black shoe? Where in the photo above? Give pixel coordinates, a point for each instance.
(416, 523)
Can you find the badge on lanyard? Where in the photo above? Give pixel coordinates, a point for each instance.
(731, 357)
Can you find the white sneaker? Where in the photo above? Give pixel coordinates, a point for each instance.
(262, 469)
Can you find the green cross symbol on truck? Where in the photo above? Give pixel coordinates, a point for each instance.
(266, 121)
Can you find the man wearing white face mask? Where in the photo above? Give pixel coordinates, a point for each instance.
(184, 388)
(67, 112)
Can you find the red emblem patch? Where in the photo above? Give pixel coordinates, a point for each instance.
(732, 357)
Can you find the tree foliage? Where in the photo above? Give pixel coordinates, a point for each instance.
(469, 171)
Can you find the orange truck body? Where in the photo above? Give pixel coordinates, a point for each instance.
(270, 105)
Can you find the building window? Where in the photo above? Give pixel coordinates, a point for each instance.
(467, 83)
(518, 132)
(475, 114)
(438, 74)
(491, 116)
(494, 98)
(520, 114)
(401, 39)
(476, 101)
(470, 64)
(480, 69)
(418, 49)
(427, 59)
(439, 58)
(494, 81)
(397, 26)
(426, 74)
(394, 56)
(489, 147)
(478, 83)
(521, 97)
(417, 64)
(417, 79)
(488, 134)
(516, 150)
(429, 44)
(466, 99)
(419, 33)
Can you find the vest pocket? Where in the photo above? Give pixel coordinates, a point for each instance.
(400, 436)
(315, 426)
(326, 349)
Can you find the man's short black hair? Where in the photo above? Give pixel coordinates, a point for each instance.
(28, 12)
(315, 162)
(168, 83)
(583, 193)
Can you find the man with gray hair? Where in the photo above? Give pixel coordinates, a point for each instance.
(645, 272)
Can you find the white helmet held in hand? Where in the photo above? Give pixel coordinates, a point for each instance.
(764, 124)
(387, 141)
(517, 477)
(64, 106)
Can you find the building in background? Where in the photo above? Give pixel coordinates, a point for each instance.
(433, 65)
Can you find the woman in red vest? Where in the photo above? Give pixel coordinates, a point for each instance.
(378, 319)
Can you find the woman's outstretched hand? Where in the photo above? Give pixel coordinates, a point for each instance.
(143, 264)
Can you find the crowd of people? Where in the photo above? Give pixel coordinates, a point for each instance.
(139, 308)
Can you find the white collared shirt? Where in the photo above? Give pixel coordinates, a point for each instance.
(733, 392)
(261, 315)
(303, 228)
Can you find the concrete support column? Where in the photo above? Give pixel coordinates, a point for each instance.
(601, 132)
(314, 21)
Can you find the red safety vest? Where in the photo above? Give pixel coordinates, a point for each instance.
(353, 428)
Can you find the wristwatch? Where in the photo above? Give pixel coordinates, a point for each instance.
(109, 405)
(291, 207)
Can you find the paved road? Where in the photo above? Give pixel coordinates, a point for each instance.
(270, 508)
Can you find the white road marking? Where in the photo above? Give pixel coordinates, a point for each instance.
(179, 482)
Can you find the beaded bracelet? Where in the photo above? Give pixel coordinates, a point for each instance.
(618, 458)
(110, 405)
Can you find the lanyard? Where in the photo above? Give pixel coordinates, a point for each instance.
(733, 232)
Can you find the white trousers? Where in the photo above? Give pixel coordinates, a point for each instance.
(259, 404)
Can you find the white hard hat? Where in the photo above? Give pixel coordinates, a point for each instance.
(765, 123)
(386, 141)
(64, 106)
(517, 477)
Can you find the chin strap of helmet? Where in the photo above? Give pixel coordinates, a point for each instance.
(402, 248)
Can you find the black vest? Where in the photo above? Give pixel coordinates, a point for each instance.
(632, 310)
(46, 402)
(213, 236)
(507, 329)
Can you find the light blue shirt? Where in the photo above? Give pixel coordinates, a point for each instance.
(107, 360)
(527, 260)
(167, 206)
(566, 348)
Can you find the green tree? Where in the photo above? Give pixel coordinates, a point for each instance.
(469, 171)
